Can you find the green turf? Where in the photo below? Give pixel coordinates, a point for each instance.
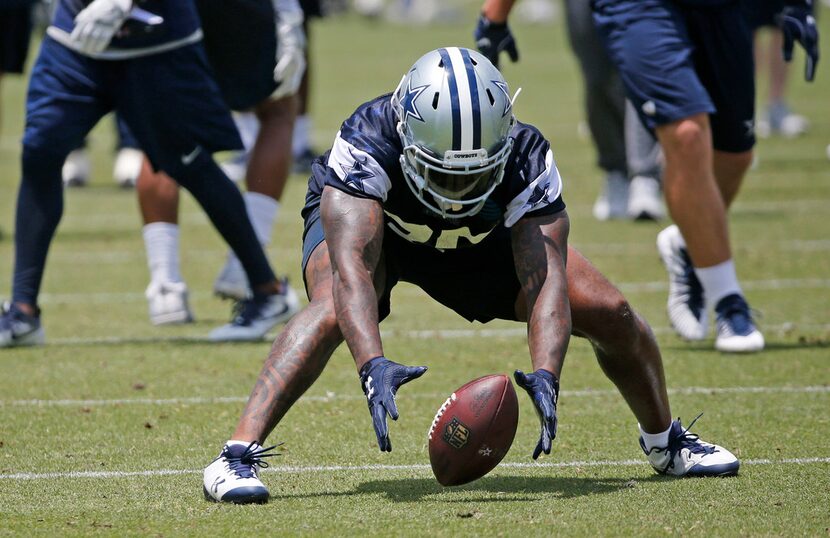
(113, 394)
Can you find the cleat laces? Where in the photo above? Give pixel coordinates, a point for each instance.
(243, 465)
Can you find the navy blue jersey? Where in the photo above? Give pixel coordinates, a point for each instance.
(180, 27)
(365, 161)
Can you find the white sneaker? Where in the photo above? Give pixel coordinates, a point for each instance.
(686, 305)
(234, 475)
(18, 328)
(232, 282)
(76, 168)
(612, 202)
(736, 332)
(645, 200)
(687, 455)
(258, 315)
(127, 167)
(167, 302)
(237, 166)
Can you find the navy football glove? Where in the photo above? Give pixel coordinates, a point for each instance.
(798, 24)
(543, 388)
(493, 38)
(380, 379)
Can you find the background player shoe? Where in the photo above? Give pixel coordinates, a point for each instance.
(237, 166)
(167, 303)
(258, 315)
(76, 168)
(686, 306)
(18, 328)
(736, 333)
(687, 455)
(612, 202)
(232, 282)
(645, 200)
(233, 475)
(127, 167)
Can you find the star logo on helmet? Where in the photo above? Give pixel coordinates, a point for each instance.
(356, 174)
(502, 85)
(408, 102)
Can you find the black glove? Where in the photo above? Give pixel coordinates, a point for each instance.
(380, 379)
(493, 38)
(798, 24)
(543, 388)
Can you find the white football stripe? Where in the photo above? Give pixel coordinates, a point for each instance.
(379, 467)
(464, 97)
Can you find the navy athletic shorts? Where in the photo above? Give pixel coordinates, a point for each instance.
(479, 282)
(678, 60)
(241, 44)
(169, 101)
(15, 32)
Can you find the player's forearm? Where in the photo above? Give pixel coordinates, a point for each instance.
(497, 10)
(354, 234)
(549, 325)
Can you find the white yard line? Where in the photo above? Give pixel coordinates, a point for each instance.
(332, 397)
(378, 467)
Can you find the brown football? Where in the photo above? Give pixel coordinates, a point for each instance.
(473, 430)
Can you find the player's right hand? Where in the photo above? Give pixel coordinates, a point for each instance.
(380, 379)
(291, 44)
(543, 388)
(798, 24)
(493, 38)
(97, 24)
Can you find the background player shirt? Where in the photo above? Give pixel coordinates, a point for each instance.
(365, 161)
(180, 27)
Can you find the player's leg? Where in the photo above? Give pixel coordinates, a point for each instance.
(628, 354)
(62, 105)
(128, 158)
(268, 169)
(604, 107)
(167, 294)
(643, 156)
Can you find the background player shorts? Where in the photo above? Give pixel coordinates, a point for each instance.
(678, 60)
(15, 33)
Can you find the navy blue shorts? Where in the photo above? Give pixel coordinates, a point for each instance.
(15, 32)
(680, 60)
(169, 101)
(479, 282)
(241, 44)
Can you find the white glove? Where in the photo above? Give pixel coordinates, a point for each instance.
(97, 24)
(290, 48)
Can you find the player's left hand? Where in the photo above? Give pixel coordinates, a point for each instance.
(97, 24)
(543, 388)
(291, 45)
(493, 38)
(380, 379)
(798, 24)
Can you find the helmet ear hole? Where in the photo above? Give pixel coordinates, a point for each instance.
(490, 97)
(435, 101)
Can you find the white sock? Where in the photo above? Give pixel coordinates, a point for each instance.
(161, 241)
(248, 126)
(651, 440)
(302, 133)
(233, 442)
(262, 211)
(718, 281)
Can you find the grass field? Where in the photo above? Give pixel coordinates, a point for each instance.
(106, 429)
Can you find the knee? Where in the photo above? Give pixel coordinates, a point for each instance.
(41, 164)
(611, 319)
(687, 139)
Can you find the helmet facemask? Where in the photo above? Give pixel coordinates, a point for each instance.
(453, 157)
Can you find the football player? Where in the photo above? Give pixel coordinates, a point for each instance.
(256, 50)
(687, 67)
(437, 184)
(150, 66)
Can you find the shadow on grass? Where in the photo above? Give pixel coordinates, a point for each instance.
(488, 489)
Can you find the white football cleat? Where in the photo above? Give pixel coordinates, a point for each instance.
(232, 282)
(612, 202)
(76, 168)
(258, 315)
(127, 167)
(167, 303)
(687, 455)
(736, 332)
(645, 200)
(234, 475)
(18, 328)
(686, 305)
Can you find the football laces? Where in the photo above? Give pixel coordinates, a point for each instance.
(440, 413)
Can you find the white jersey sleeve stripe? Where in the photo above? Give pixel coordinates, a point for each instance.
(358, 170)
(542, 191)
